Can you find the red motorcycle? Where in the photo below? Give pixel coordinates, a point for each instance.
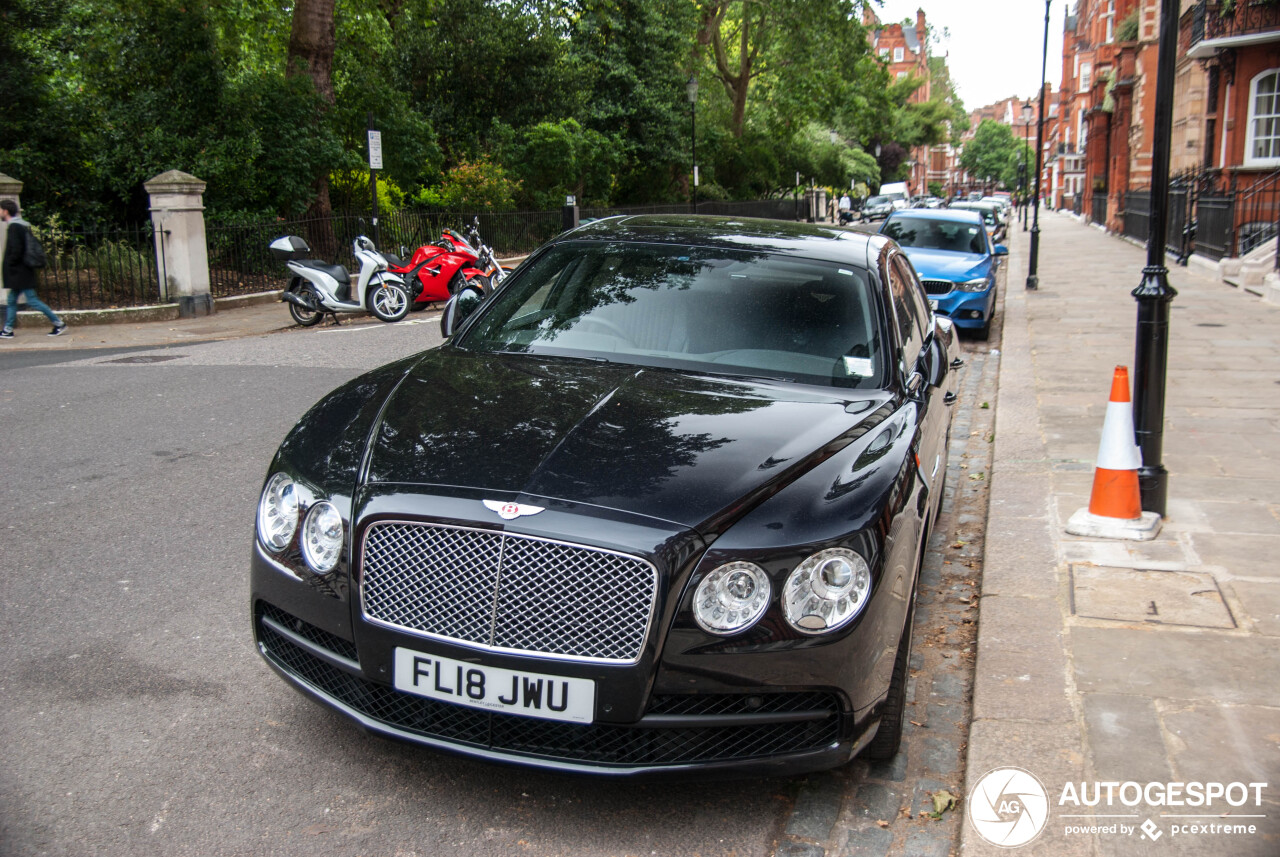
(442, 268)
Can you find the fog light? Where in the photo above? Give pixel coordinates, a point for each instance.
(826, 591)
(731, 598)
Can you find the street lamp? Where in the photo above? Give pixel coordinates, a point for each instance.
(1033, 281)
(692, 89)
(1026, 127)
(1154, 294)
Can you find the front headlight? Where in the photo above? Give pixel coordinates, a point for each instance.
(974, 285)
(826, 591)
(278, 512)
(731, 598)
(322, 537)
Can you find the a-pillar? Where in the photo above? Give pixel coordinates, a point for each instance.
(10, 188)
(177, 213)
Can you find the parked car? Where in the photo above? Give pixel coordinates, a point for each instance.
(1003, 205)
(991, 216)
(877, 208)
(658, 505)
(957, 262)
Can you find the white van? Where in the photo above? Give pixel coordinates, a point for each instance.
(898, 192)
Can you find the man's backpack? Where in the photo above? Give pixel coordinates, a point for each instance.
(33, 254)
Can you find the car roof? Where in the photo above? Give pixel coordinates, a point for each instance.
(955, 215)
(807, 240)
(972, 203)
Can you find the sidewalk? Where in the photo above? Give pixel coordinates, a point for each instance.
(1129, 662)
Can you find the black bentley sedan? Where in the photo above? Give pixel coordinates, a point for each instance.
(658, 504)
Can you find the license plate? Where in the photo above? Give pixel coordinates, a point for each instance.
(933, 303)
(529, 694)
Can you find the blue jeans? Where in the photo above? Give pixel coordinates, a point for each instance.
(33, 302)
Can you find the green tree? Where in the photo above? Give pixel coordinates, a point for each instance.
(992, 154)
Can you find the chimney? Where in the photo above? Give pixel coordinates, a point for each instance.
(920, 29)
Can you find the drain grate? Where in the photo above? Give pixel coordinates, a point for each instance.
(1139, 595)
(144, 358)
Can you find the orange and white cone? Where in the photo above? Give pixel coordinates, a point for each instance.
(1115, 505)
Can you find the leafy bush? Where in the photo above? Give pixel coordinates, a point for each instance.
(478, 185)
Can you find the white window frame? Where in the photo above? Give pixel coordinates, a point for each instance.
(1251, 120)
(899, 54)
(884, 53)
(1110, 16)
(1086, 76)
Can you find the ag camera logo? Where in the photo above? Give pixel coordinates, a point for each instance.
(1008, 807)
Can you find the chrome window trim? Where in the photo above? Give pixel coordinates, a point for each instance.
(504, 534)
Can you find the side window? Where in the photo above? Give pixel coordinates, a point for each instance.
(908, 315)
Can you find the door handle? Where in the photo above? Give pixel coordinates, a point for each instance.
(950, 399)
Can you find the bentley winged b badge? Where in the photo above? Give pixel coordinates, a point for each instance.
(511, 511)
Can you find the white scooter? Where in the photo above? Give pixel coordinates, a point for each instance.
(318, 288)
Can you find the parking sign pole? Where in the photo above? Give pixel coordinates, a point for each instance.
(1154, 294)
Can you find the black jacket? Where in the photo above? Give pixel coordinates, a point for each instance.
(17, 276)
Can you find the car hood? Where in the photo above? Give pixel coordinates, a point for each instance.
(685, 448)
(945, 265)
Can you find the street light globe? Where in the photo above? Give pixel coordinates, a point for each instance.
(1026, 114)
(692, 89)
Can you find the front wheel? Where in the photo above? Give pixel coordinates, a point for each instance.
(389, 301)
(302, 316)
(888, 737)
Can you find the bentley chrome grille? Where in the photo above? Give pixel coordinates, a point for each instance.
(507, 592)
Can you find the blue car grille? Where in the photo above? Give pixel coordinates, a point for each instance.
(937, 287)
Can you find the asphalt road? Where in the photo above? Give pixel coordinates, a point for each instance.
(137, 717)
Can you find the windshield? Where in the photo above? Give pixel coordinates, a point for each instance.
(930, 234)
(694, 308)
(878, 200)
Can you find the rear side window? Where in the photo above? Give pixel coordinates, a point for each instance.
(910, 309)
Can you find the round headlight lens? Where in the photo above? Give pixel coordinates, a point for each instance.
(278, 512)
(826, 591)
(731, 598)
(322, 537)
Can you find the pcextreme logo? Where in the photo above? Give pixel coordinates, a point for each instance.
(1008, 807)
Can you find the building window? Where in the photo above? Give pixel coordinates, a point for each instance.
(1262, 142)
(898, 54)
(1110, 16)
(901, 75)
(884, 52)
(1086, 70)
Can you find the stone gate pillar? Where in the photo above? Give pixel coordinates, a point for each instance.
(177, 212)
(10, 188)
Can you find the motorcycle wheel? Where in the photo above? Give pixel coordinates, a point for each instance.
(305, 317)
(457, 282)
(389, 302)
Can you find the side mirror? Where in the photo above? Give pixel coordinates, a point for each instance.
(1002, 250)
(458, 308)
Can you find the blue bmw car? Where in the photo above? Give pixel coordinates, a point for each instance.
(956, 260)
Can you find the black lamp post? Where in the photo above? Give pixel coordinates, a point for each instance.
(1154, 294)
(1026, 129)
(1033, 280)
(692, 89)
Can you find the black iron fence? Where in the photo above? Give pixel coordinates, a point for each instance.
(240, 261)
(1098, 207)
(98, 268)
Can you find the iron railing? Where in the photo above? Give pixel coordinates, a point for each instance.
(1098, 207)
(1213, 19)
(99, 268)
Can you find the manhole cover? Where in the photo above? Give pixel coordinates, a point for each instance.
(144, 358)
(1136, 595)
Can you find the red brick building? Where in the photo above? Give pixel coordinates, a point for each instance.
(1225, 145)
(906, 49)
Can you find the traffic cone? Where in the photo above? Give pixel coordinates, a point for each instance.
(1115, 504)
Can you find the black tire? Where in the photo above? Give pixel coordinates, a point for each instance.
(889, 736)
(305, 317)
(457, 281)
(388, 302)
(984, 332)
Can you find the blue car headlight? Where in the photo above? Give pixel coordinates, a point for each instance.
(978, 285)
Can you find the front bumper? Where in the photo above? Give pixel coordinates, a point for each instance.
(967, 310)
(728, 734)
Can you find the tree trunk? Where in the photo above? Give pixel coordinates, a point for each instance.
(312, 38)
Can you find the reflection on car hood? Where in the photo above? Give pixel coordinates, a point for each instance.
(676, 446)
(945, 265)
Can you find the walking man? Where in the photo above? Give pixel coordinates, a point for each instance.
(19, 278)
